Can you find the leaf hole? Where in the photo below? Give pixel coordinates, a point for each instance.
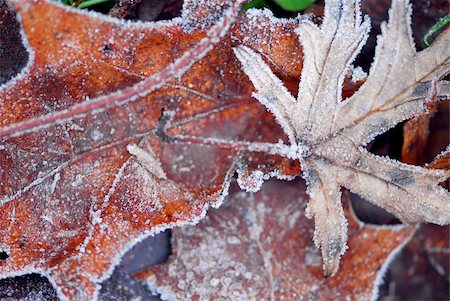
(4, 255)
(445, 184)
(107, 48)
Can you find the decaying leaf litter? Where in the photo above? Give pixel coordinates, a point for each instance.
(257, 246)
(186, 132)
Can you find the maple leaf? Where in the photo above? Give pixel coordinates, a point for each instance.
(257, 246)
(328, 134)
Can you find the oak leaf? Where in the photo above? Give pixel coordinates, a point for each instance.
(257, 246)
(328, 134)
(73, 198)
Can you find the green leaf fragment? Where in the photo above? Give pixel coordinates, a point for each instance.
(441, 23)
(288, 5)
(294, 5)
(255, 4)
(84, 4)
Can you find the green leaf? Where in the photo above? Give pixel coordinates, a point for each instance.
(88, 3)
(288, 5)
(294, 5)
(434, 28)
(255, 4)
(85, 4)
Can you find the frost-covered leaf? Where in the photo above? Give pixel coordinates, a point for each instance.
(328, 134)
(73, 198)
(257, 246)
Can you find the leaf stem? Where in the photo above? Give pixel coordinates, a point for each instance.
(293, 152)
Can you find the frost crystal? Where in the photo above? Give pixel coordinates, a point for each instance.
(333, 132)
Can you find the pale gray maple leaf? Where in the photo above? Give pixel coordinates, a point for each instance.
(329, 133)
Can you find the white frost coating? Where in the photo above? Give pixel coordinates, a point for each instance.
(165, 293)
(441, 155)
(55, 182)
(218, 200)
(271, 91)
(34, 183)
(253, 182)
(58, 169)
(250, 182)
(255, 15)
(291, 151)
(379, 280)
(213, 37)
(148, 160)
(235, 250)
(157, 25)
(358, 74)
(124, 23)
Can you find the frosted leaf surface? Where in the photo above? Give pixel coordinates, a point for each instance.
(257, 246)
(73, 198)
(335, 131)
(148, 160)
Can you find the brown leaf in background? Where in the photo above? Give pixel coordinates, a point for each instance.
(423, 140)
(258, 247)
(421, 270)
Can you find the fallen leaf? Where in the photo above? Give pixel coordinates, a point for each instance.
(257, 246)
(328, 134)
(73, 198)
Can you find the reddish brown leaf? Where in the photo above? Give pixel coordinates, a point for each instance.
(421, 142)
(73, 199)
(258, 247)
